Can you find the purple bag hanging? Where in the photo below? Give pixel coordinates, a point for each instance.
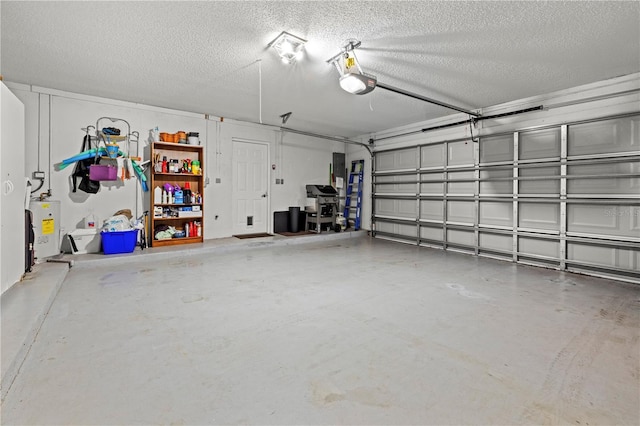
(103, 172)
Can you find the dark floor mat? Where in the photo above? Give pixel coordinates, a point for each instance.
(261, 234)
(295, 234)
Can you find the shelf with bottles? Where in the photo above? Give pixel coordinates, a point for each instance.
(177, 193)
(179, 211)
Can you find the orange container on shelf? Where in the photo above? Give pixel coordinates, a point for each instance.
(169, 137)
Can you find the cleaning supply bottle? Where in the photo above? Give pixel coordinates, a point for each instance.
(187, 193)
(157, 194)
(90, 221)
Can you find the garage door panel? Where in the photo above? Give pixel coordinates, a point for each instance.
(496, 149)
(396, 160)
(539, 216)
(384, 161)
(385, 207)
(496, 242)
(397, 229)
(406, 208)
(604, 137)
(539, 144)
(456, 236)
(547, 186)
(608, 220)
(497, 214)
(401, 188)
(461, 211)
(389, 188)
(467, 187)
(429, 233)
(496, 187)
(621, 186)
(396, 208)
(432, 188)
(538, 247)
(460, 153)
(406, 230)
(432, 156)
(431, 210)
(604, 256)
(427, 187)
(606, 185)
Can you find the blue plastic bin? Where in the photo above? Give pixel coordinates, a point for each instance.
(119, 241)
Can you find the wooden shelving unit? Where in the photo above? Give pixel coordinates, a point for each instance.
(180, 152)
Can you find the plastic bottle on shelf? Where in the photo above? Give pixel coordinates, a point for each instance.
(157, 194)
(165, 166)
(187, 193)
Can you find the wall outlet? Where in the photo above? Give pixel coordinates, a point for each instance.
(277, 181)
(218, 180)
(38, 175)
(282, 181)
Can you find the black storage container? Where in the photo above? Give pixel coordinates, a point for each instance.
(294, 219)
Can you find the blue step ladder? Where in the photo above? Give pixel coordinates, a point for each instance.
(353, 208)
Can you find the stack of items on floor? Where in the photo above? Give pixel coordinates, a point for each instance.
(120, 233)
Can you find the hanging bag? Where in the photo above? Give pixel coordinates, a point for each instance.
(98, 172)
(82, 170)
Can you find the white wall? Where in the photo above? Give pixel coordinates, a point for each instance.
(299, 160)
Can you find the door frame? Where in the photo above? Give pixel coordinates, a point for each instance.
(268, 177)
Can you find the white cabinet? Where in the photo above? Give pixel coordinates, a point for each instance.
(12, 188)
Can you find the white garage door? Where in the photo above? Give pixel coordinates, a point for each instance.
(566, 197)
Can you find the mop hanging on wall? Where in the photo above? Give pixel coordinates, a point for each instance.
(82, 171)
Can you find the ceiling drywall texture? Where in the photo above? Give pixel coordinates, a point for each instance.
(202, 56)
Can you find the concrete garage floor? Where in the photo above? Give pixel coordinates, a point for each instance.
(354, 331)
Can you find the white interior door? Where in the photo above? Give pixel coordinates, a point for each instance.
(250, 178)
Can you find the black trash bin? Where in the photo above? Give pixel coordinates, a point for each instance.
(294, 219)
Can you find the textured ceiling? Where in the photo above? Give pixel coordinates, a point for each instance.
(202, 56)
